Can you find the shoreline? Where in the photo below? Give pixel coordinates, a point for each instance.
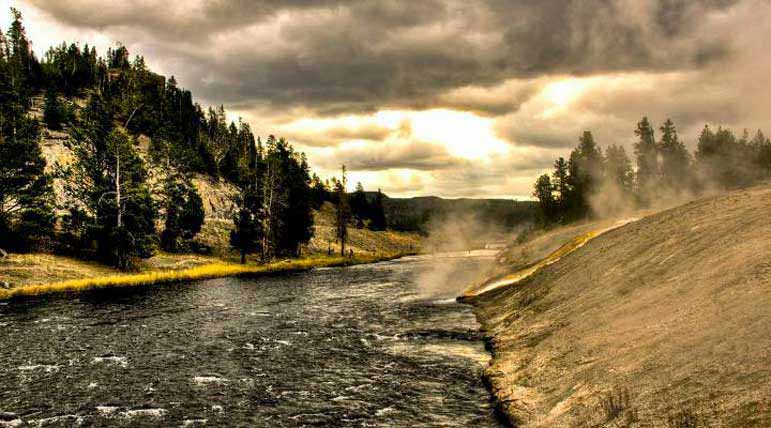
(202, 272)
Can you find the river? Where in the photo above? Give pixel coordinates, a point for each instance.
(363, 346)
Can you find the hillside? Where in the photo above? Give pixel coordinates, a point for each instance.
(663, 322)
(361, 241)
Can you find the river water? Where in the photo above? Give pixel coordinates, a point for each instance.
(351, 347)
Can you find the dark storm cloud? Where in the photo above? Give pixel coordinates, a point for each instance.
(358, 56)
(163, 19)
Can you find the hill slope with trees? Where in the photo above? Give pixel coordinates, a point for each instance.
(102, 159)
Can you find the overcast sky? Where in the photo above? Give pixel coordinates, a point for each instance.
(466, 98)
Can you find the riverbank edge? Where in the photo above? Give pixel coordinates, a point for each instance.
(203, 272)
(504, 417)
(500, 409)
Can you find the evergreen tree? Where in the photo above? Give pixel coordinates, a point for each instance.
(723, 158)
(319, 192)
(675, 159)
(288, 219)
(584, 172)
(107, 186)
(561, 184)
(647, 154)
(275, 201)
(299, 227)
(23, 66)
(53, 111)
(246, 235)
(359, 206)
(544, 192)
(247, 174)
(618, 169)
(184, 211)
(761, 147)
(26, 196)
(379, 221)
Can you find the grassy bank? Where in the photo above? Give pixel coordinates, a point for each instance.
(40, 274)
(99, 278)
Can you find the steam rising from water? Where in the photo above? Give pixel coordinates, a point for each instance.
(462, 235)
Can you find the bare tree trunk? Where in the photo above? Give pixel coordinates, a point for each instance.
(268, 222)
(117, 187)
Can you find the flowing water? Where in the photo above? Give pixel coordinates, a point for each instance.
(353, 347)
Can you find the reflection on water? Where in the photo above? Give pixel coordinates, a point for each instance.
(336, 347)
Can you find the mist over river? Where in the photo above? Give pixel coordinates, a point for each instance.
(349, 347)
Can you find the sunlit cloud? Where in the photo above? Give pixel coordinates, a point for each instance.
(562, 93)
(445, 97)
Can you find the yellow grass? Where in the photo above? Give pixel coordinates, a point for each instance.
(208, 271)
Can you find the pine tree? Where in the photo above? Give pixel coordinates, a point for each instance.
(298, 229)
(26, 196)
(618, 169)
(107, 186)
(544, 192)
(24, 67)
(275, 200)
(561, 184)
(761, 147)
(379, 221)
(584, 172)
(52, 110)
(246, 170)
(319, 192)
(723, 158)
(359, 206)
(647, 154)
(246, 235)
(184, 211)
(675, 159)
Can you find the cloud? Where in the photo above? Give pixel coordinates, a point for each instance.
(332, 136)
(450, 97)
(340, 56)
(504, 98)
(382, 156)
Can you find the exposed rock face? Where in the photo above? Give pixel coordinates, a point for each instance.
(217, 195)
(217, 198)
(662, 322)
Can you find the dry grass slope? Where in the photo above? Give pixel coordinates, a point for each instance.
(362, 241)
(661, 323)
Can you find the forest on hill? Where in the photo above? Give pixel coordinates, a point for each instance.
(115, 195)
(592, 183)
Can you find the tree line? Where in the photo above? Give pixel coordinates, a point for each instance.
(664, 169)
(112, 206)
